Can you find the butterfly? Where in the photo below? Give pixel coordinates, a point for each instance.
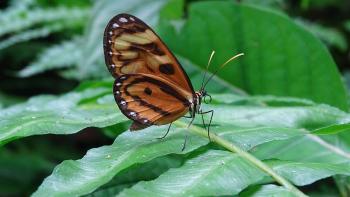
(150, 87)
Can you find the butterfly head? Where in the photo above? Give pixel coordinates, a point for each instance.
(200, 96)
(203, 94)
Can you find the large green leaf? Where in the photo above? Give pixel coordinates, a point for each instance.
(249, 125)
(98, 166)
(101, 164)
(266, 190)
(204, 175)
(59, 115)
(306, 173)
(309, 148)
(333, 129)
(207, 175)
(89, 107)
(308, 117)
(281, 57)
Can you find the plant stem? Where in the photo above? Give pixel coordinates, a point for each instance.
(249, 157)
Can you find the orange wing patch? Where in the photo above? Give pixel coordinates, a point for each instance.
(131, 47)
(149, 100)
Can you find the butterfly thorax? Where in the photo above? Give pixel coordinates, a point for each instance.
(197, 101)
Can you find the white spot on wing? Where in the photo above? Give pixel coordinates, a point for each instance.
(132, 18)
(112, 66)
(132, 113)
(122, 102)
(123, 20)
(115, 25)
(110, 33)
(118, 84)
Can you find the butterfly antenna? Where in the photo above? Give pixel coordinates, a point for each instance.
(223, 65)
(206, 70)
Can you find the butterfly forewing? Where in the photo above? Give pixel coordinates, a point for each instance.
(132, 47)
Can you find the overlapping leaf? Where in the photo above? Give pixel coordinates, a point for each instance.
(276, 61)
(218, 173)
(59, 115)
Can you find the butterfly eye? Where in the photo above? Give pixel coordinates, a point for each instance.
(205, 99)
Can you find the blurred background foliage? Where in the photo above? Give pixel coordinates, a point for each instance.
(295, 48)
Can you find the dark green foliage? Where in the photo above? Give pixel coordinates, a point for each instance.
(283, 103)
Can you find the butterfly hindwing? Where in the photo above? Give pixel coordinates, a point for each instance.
(149, 100)
(132, 47)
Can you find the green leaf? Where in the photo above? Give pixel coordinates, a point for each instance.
(101, 164)
(307, 173)
(216, 173)
(308, 117)
(330, 36)
(172, 10)
(343, 183)
(59, 115)
(65, 54)
(252, 127)
(204, 175)
(333, 129)
(72, 112)
(275, 62)
(266, 190)
(31, 34)
(347, 25)
(20, 20)
(309, 148)
(146, 171)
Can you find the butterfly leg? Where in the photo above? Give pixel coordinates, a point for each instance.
(203, 121)
(191, 121)
(184, 144)
(160, 138)
(190, 116)
(211, 118)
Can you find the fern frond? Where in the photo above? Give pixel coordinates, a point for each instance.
(31, 34)
(21, 4)
(63, 55)
(14, 20)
